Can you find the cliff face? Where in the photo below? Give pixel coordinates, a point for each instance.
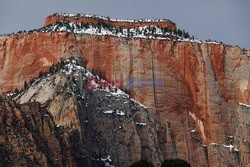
(29, 137)
(95, 20)
(205, 81)
(201, 112)
(24, 56)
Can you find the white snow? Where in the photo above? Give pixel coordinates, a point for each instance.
(107, 161)
(121, 113)
(244, 105)
(73, 68)
(108, 112)
(10, 94)
(108, 158)
(107, 18)
(231, 147)
(138, 32)
(141, 123)
(118, 93)
(118, 112)
(145, 32)
(236, 150)
(138, 103)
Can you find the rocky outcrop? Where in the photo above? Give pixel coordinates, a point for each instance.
(29, 137)
(103, 126)
(95, 20)
(204, 98)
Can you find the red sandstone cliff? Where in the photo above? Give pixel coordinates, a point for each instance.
(206, 82)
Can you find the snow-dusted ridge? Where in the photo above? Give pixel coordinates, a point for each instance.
(71, 67)
(144, 32)
(107, 18)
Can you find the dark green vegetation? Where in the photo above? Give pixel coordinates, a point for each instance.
(166, 163)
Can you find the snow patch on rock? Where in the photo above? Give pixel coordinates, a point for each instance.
(244, 105)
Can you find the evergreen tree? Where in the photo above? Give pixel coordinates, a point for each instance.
(183, 33)
(31, 80)
(16, 90)
(186, 34)
(40, 74)
(179, 32)
(175, 163)
(142, 163)
(175, 32)
(25, 85)
(128, 31)
(153, 30)
(121, 30)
